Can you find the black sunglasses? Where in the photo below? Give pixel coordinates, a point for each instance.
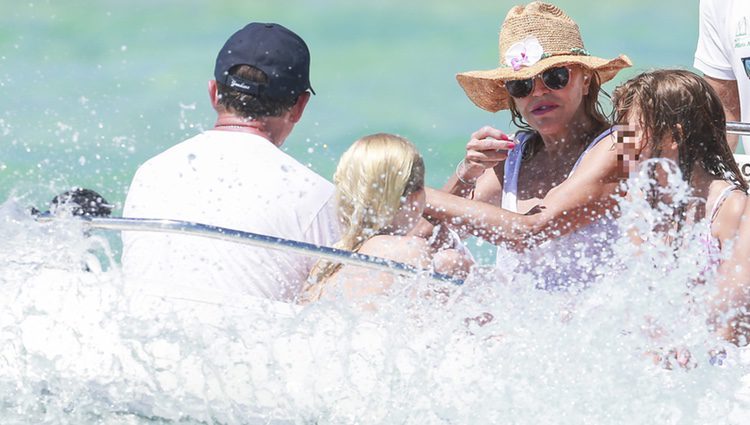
(553, 78)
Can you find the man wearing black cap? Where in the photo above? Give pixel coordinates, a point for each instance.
(235, 176)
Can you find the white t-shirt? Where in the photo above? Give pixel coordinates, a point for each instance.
(234, 180)
(723, 50)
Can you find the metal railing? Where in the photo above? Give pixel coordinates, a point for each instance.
(741, 128)
(272, 242)
(255, 239)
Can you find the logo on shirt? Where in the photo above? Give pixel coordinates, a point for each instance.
(746, 63)
(741, 27)
(741, 37)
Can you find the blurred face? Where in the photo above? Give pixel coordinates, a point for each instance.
(635, 146)
(667, 147)
(548, 110)
(410, 212)
(629, 144)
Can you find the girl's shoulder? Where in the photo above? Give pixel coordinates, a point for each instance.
(603, 160)
(411, 250)
(724, 209)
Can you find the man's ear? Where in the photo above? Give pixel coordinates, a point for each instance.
(213, 93)
(299, 107)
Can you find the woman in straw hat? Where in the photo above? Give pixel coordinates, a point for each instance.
(551, 85)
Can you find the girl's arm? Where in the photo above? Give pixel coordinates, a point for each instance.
(732, 299)
(581, 199)
(728, 219)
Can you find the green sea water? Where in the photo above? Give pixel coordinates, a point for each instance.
(91, 89)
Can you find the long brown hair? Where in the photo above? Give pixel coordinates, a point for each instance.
(592, 108)
(683, 105)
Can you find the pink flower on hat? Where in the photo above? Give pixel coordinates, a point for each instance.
(526, 52)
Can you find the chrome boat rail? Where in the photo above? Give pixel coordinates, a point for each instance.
(255, 239)
(741, 128)
(272, 242)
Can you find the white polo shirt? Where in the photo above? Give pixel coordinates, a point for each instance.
(723, 50)
(235, 180)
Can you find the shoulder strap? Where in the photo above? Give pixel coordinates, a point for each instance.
(593, 143)
(512, 167)
(720, 201)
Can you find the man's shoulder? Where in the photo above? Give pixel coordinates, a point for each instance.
(171, 152)
(715, 8)
(164, 172)
(291, 170)
(719, 14)
(225, 165)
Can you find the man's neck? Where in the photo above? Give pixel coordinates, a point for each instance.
(228, 122)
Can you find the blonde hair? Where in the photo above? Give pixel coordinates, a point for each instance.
(372, 178)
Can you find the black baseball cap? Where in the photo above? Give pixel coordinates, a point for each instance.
(273, 49)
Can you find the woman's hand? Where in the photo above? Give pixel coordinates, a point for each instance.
(486, 148)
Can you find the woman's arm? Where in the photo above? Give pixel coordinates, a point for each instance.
(488, 189)
(479, 176)
(581, 199)
(729, 94)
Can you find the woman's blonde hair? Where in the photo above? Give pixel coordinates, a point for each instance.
(372, 178)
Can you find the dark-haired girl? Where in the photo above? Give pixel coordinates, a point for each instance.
(675, 114)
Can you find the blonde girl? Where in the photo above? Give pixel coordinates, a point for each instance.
(380, 193)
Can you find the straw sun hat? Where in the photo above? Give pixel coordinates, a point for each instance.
(533, 38)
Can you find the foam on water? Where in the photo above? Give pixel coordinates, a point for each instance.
(80, 347)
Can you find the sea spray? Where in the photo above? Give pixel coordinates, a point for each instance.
(633, 347)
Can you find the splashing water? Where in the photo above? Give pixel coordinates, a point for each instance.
(79, 347)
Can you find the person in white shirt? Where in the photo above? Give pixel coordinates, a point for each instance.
(723, 55)
(235, 176)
